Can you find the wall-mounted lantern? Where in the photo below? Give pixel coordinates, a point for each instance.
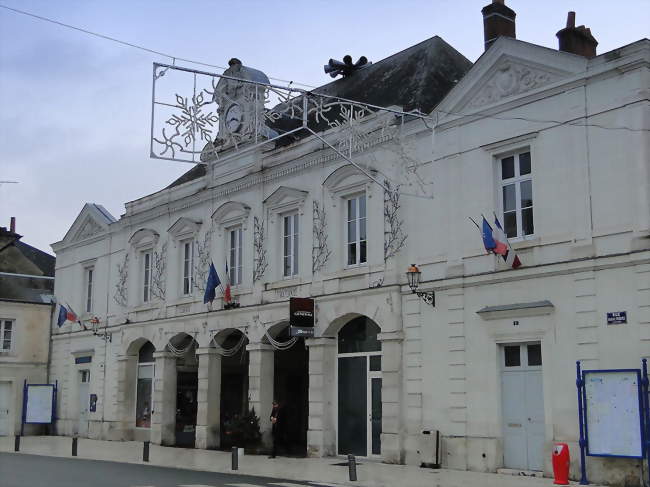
(413, 275)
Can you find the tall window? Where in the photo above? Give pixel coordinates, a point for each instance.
(146, 276)
(290, 245)
(89, 289)
(188, 266)
(235, 257)
(6, 334)
(517, 195)
(144, 390)
(356, 230)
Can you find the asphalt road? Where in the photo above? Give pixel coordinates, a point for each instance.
(17, 470)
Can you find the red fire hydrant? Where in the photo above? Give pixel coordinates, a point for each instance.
(561, 463)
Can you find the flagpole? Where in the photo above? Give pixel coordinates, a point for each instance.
(472, 220)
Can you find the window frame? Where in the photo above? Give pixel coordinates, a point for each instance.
(12, 333)
(517, 181)
(89, 274)
(146, 280)
(187, 274)
(358, 241)
(293, 238)
(235, 272)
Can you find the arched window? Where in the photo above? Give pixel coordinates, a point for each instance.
(359, 335)
(144, 399)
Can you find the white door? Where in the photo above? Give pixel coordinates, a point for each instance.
(522, 406)
(84, 399)
(5, 406)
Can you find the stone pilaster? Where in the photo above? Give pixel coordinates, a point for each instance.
(260, 385)
(392, 450)
(208, 414)
(163, 414)
(321, 433)
(125, 400)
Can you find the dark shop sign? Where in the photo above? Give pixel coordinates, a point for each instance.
(617, 317)
(301, 317)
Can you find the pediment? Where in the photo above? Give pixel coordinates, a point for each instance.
(184, 227)
(509, 70)
(231, 212)
(93, 220)
(345, 177)
(284, 196)
(145, 237)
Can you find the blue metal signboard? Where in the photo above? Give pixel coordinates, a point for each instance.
(617, 317)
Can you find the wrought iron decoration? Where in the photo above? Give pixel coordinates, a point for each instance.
(394, 236)
(202, 261)
(320, 252)
(121, 291)
(159, 272)
(260, 252)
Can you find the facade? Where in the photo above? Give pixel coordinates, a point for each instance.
(554, 142)
(26, 293)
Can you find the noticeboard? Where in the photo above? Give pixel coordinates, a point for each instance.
(613, 422)
(39, 403)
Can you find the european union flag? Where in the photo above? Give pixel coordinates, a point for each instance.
(211, 285)
(63, 315)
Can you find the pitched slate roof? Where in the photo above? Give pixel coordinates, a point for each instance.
(416, 78)
(26, 273)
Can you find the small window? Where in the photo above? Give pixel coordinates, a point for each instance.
(290, 245)
(512, 358)
(356, 231)
(85, 376)
(517, 195)
(375, 363)
(534, 355)
(6, 335)
(188, 267)
(146, 276)
(89, 289)
(235, 255)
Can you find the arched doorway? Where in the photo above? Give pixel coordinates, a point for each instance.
(144, 386)
(231, 346)
(183, 347)
(359, 388)
(291, 390)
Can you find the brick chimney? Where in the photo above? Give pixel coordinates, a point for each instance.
(498, 20)
(577, 40)
(12, 224)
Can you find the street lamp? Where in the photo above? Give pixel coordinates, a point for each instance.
(413, 275)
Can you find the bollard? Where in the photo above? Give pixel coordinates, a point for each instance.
(17, 443)
(74, 446)
(352, 467)
(145, 452)
(235, 458)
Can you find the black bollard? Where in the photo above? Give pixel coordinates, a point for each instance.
(74, 446)
(145, 452)
(352, 467)
(17, 443)
(235, 458)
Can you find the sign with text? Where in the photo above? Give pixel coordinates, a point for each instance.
(301, 317)
(617, 317)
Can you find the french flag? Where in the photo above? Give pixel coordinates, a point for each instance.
(495, 241)
(503, 247)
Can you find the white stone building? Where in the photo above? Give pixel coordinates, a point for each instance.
(555, 143)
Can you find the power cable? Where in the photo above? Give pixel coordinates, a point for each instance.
(130, 44)
(177, 58)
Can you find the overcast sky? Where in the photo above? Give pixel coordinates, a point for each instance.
(75, 110)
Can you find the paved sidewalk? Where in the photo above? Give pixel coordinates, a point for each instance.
(330, 471)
